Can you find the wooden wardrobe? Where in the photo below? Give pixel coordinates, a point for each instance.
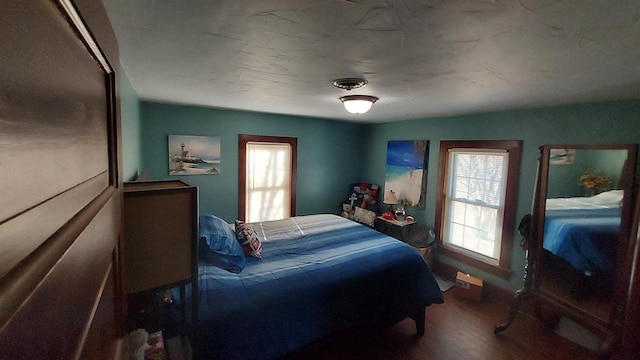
(60, 182)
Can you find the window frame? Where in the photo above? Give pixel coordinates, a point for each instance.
(243, 139)
(514, 149)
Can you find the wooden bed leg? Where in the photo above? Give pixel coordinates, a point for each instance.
(419, 319)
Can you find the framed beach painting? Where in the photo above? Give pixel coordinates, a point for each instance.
(406, 171)
(194, 155)
(562, 156)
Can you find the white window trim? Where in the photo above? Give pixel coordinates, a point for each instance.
(270, 189)
(447, 233)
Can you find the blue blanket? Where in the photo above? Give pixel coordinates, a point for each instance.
(319, 274)
(585, 238)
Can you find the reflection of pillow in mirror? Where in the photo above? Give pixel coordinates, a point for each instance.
(609, 198)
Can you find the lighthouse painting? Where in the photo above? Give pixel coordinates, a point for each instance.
(194, 155)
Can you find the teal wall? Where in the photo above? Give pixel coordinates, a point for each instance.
(131, 136)
(616, 122)
(564, 179)
(330, 153)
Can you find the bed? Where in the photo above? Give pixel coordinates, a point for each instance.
(584, 231)
(317, 275)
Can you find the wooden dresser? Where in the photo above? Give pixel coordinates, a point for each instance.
(160, 248)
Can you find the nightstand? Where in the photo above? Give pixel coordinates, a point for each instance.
(401, 230)
(397, 229)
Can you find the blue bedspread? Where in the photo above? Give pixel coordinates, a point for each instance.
(585, 238)
(319, 274)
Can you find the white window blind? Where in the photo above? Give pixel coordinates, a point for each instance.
(268, 181)
(475, 200)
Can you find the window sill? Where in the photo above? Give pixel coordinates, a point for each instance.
(496, 270)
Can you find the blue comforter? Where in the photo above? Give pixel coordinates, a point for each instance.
(585, 238)
(319, 274)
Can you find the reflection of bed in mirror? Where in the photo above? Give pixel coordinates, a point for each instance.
(584, 231)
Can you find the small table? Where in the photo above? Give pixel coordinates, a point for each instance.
(401, 231)
(397, 229)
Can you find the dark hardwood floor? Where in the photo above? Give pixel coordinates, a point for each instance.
(456, 330)
(459, 329)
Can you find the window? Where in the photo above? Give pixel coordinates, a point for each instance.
(267, 170)
(476, 202)
(474, 207)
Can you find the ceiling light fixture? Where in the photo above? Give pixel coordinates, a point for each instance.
(349, 83)
(358, 104)
(355, 104)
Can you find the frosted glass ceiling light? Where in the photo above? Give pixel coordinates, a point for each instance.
(355, 104)
(358, 104)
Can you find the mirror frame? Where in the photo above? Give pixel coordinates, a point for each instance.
(624, 256)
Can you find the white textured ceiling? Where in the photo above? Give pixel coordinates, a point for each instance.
(422, 58)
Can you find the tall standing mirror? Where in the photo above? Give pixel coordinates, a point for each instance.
(578, 262)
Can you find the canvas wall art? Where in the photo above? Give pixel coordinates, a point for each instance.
(562, 156)
(194, 155)
(406, 171)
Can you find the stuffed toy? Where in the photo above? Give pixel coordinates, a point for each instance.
(137, 344)
(347, 211)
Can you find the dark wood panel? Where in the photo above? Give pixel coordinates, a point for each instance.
(94, 13)
(60, 197)
(54, 319)
(99, 341)
(629, 345)
(54, 107)
(26, 232)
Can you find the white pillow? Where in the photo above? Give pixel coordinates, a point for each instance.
(607, 199)
(364, 216)
(610, 198)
